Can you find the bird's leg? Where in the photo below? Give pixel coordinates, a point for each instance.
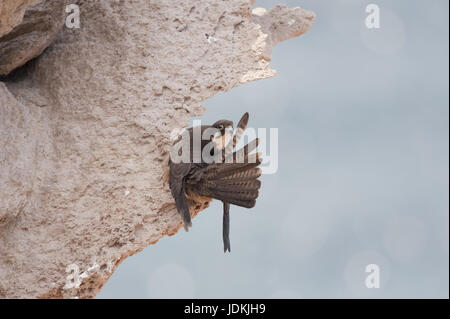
(226, 227)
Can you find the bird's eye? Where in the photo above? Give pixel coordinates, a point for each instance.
(220, 127)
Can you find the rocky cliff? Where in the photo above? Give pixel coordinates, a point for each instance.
(85, 127)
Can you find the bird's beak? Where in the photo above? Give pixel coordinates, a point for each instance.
(228, 130)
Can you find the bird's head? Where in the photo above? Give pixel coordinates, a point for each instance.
(222, 125)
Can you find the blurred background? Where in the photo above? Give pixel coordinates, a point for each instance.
(363, 176)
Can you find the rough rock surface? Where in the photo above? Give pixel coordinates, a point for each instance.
(43, 19)
(11, 14)
(85, 131)
(281, 23)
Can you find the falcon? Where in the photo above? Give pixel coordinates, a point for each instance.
(233, 179)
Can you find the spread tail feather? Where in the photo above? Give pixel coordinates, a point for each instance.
(234, 183)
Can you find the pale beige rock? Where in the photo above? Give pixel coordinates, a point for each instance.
(282, 23)
(85, 133)
(11, 14)
(43, 19)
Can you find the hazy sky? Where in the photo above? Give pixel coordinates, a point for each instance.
(363, 121)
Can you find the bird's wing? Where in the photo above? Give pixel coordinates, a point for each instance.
(240, 128)
(239, 155)
(242, 125)
(178, 172)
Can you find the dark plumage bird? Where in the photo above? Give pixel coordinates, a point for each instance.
(232, 180)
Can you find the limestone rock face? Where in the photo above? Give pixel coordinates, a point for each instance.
(42, 20)
(281, 23)
(11, 14)
(85, 131)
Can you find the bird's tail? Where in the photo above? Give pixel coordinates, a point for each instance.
(235, 183)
